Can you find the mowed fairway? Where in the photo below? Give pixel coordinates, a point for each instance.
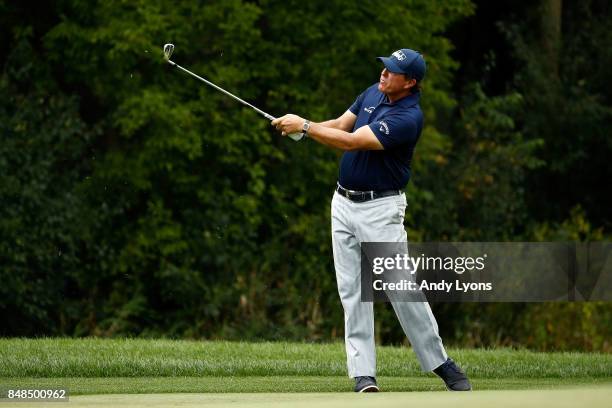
(592, 397)
(129, 372)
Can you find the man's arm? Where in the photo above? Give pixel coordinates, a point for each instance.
(361, 139)
(344, 122)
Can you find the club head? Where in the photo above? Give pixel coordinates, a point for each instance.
(168, 50)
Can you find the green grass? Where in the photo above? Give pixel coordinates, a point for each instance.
(592, 397)
(292, 384)
(97, 366)
(168, 358)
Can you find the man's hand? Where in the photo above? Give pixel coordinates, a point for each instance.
(361, 139)
(289, 124)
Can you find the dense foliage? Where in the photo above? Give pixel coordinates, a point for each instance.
(137, 202)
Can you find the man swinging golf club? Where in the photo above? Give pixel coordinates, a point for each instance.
(378, 134)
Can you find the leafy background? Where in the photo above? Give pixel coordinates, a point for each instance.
(137, 202)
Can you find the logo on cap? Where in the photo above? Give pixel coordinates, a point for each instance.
(399, 55)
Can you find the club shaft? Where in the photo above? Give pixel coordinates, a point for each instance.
(218, 88)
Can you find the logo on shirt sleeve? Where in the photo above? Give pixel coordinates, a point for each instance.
(370, 109)
(384, 127)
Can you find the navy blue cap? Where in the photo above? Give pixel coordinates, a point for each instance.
(406, 61)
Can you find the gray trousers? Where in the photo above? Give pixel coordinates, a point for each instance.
(380, 220)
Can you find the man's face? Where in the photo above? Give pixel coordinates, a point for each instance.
(391, 83)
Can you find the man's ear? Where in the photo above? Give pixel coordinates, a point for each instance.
(410, 83)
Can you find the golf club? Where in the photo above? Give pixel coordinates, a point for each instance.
(169, 49)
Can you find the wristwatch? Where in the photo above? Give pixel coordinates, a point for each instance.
(305, 128)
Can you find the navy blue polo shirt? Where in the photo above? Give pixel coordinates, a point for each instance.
(397, 126)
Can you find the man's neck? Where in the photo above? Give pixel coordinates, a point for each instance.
(397, 96)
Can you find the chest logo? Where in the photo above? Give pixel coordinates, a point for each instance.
(370, 109)
(384, 127)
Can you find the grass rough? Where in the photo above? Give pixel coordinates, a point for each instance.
(95, 357)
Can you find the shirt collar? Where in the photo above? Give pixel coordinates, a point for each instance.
(406, 102)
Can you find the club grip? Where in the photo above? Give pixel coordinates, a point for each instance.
(295, 136)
